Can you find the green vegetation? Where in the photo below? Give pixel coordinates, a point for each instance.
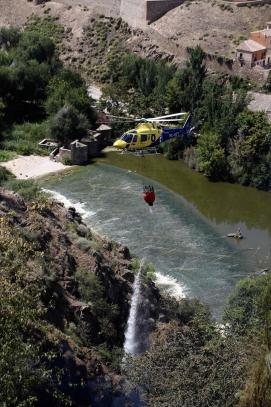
(36, 90)
(194, 365)
(92, 292)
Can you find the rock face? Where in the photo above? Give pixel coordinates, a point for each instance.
(85, 286)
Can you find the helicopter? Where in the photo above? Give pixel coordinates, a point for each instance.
(151, 132)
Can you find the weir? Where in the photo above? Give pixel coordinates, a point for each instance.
(132, 343)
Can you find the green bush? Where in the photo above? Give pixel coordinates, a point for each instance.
(24, 138)
(28, 189)
(5, 175)
(68, 124)
(92, 291)
(211, 156)
(6, 155)
(9, 37)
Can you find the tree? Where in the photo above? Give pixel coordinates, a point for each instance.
(250, 150)
(68, 125)
(211, 156)
(191, 366)
(35, 46)
(184, 91)
(68, 88)
(9, 37)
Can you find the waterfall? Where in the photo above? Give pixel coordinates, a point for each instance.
(131, 344)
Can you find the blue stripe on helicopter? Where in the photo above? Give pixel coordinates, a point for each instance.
(175, 132)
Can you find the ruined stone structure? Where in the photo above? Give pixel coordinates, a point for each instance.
(137, 13)
(80, 152)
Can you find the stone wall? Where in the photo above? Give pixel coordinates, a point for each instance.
(139, 13)
(157, 8)
(79, 153)
(134, 12)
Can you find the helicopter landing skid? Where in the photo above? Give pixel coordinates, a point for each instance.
(140, 153)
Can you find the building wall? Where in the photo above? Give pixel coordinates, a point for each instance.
(79, 153)
(259, 37)
(245, 56)
(134, 12)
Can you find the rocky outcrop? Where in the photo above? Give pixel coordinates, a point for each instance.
(85, 286)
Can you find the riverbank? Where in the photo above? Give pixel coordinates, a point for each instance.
(33, 166)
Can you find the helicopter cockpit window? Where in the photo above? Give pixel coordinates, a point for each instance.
(127, 137)
(144, 137)
(135, 139)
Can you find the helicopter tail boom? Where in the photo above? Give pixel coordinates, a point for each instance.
(169, 133)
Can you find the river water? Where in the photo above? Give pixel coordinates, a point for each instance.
(184, 235)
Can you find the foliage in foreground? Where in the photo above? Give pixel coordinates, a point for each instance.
(193, 365)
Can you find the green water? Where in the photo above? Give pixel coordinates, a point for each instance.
(227, 206)
(220, 201)
(184, 235)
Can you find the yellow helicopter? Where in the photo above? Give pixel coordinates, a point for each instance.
(151, 132)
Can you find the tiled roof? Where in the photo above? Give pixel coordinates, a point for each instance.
(250, 46)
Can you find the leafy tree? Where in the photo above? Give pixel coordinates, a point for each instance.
(9, 37)
(68, 88)
(189, 370)
(220, 107)
(35, 46)
(248, 305)
(250, 150)
(68, 125)
(211, 156)
(184, 91)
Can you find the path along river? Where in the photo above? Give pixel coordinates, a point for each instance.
(184, 236)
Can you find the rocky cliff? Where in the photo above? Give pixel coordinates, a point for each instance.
(80, 284)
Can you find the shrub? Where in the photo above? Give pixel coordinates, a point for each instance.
(6, 155)
(24, 138)
(28, 189)
(68, 125)
(211, 156)
(9, 37)
(5, 175)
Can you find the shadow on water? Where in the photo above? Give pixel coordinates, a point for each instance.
(190, 254)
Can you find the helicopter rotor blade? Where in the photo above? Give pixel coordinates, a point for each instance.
(165, 117)
(166, 121)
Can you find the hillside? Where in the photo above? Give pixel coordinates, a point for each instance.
(215, 25)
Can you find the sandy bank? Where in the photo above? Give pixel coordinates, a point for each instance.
(26, 167)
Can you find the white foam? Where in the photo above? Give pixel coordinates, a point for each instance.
(170, 285)
(130, 343)
(80, 207)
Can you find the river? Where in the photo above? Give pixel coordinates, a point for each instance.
(184, 235)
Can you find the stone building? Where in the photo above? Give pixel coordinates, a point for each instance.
(81, 152)
(257, 49)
